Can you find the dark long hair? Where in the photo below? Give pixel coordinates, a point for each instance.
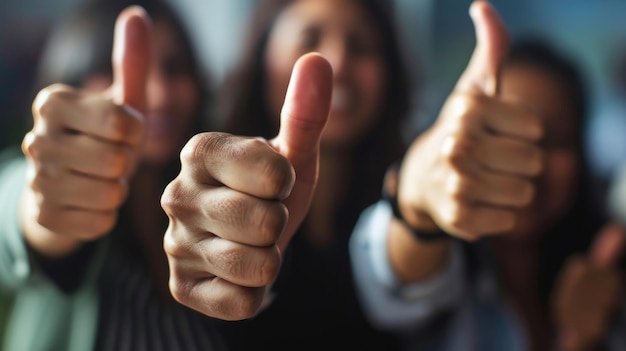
(574, 232)
(245, 111)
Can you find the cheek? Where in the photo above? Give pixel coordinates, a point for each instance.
(371, 80)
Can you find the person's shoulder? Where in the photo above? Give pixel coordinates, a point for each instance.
(12, 160)
(11, 154)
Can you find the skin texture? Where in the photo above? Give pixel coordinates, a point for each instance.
(339, 31)
(471, 173)
(83, 169)
(79, 167)
(238, 201)
(254, 192)
(501, 162)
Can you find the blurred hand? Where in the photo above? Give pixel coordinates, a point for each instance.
(84, 146)
(238, 201)
(588, 290)
(471, 172)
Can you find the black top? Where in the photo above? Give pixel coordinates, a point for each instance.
(315, 306)
(135, 317)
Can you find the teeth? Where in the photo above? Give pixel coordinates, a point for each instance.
(340, 99)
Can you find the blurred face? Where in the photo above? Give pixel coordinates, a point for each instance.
(341, 31)
(172, 97)
(545, 94)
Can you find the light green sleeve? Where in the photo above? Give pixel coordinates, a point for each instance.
(14, 263)
(41, 317)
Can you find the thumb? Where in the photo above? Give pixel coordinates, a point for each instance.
(608, 246)
(492, 46)
(131, 57)
(305, 112)
(303, 117)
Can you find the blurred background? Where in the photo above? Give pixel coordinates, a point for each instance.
(438, 35)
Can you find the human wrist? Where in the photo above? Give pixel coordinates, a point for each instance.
(420, 225)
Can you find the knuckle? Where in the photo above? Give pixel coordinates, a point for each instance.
(180, 288)
(39, 147)
(451, 213)
(173, 200)
(173, 247)
(277, 175)
(47, 99)
(466, 109)
(459, 149)
(197, 147)
(31, 145)
(458, 186)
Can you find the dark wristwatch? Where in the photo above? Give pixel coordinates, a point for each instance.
(389, 195)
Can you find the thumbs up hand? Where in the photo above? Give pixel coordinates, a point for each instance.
(238, 201)
(84, 146)
(588, 291)
(472, 171)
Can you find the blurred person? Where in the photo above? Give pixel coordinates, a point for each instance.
(86, 141)
(607, 142)
(314, 303)
(82, 240)
(487, 237)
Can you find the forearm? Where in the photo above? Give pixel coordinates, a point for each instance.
(387, 300)
(412, 260)
(417, 248)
